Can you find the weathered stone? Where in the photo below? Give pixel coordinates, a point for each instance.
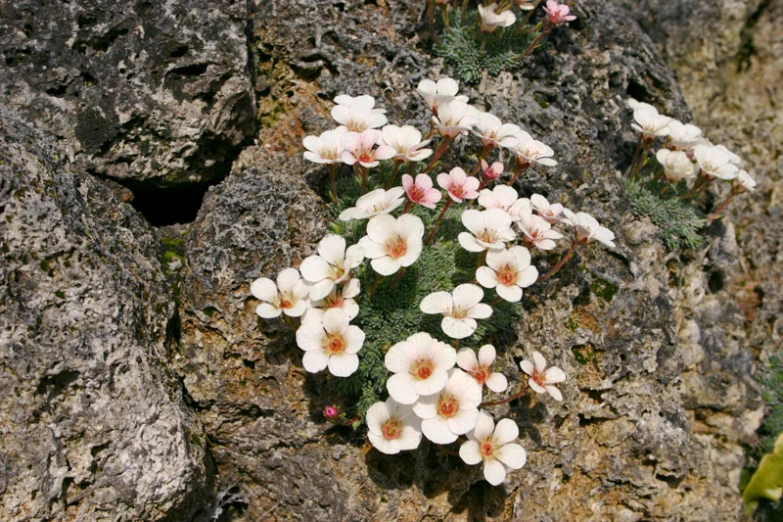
(92, 422)
(136, 91)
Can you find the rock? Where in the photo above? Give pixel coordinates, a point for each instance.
(145, 93)
(93, 422)
(632, 440)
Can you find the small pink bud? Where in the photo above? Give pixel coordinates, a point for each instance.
(492, 172)
(330, 412)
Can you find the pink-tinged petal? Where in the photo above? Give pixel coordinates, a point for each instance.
(347, 158)
(463, 421)
(458, 328)
(407, 182)
(506, 431)
(437, 430)
(377, 414)
(527, 367)
(400, 387)
(354, 337)
(545, 244)
(380, 227)
(469, 453)
(467, 295)
(458, 176)
(512, 294)
(469, 243)
(368, 138)
(512, 455)
(264, 289)
(332, 249)
(481, 310)
(436, 303)
(432, 385)
(315, 361)
(321, 289)
(535, 386)
(554, 392)
(444, 181)
(384, 152)
(426, 408)
(343, 365)
(466, 359)
(267, 311)
(315, 269)
(486, 355)
(555, 375)
(335, 321)
(312, 143)
(494, 472)
(315, 158)
(424, 181)
(486, 277)
(539, 361)
(497, 382)
(484, 427)
(386, 266)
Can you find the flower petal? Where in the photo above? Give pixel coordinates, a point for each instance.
(432, 385)
(343, 365)
(527, 367)
(469, 453)
(376, 415)
(466, 359)
(437, 430)
(315, 360)
(458, 328)
(555, 375)
(265, 289)
(400, 387)
(494, 472)
(554, 392)
(385, 266)
(487, 355)
(436, 303)
(467, 295)
(332, 249)
(267, 311)
(506, 431)
(484, 427)
(497, 382)
(486, 276)
(512, 294)
(481, 310)
(512, 455)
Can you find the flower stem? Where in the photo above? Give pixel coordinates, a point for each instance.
(484, 151)
(447, 451)
(720, 208)
(496, 301)
(545, 31)
(400, 273)
(393, 174)
(374, 285)
(522, 389)
(519, 168)
(636, 153)
(437, 220)
(365, 177)
(444, 146)
(565, 259)
(333, 182)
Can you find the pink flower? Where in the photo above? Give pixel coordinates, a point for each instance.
(541, 378)
(330, 412)
(459, 185)
(359, 148)
(493, 172)
(421, 191)
(558, 14)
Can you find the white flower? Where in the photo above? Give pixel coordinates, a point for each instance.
(374, 203)
(454, 118)
(506, 199)
(676, 164)
(489, 229)
(481, 368)
(338, 298)
(588, 229)
(649, 123)
(331, 342)
(733, 158)
(393, 427)
(529, 151)
(436, 94)
(538, 231)
(288, 296)
(406, 142)
(358, 148)
(324, 149)
(716, 161)
(744, 182)
(492, 444)
(508, 272)
(393, 243)
(451, 412)
(491, 20)
(549, 212)
(684, 136)
(420, 365)
(358, 114)
(541, 379)
(494, 132)
(331, 266)
(636, 105)
(460, 309)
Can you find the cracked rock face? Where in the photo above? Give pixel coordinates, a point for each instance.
(140, 92)
(92, 425)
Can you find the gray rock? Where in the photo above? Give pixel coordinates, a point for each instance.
(135, 91)
(92, 421)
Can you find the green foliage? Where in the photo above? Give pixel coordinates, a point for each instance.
(773, 397)
(470, 52)
(678, 221)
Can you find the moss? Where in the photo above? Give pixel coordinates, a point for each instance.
(604, 289)
(541, 101)
(584, 354)
(60, 294)
(210, 311)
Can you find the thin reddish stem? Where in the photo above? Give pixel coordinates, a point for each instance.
(565, 259)
(523, 388)
(435, 225)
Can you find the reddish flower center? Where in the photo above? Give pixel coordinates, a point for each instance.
(334, 302)
(486, 236)
(391, 429)
(506, 276)
(334, 344)
(487, 449)
(416, 194)
(539, 378)
(480, 374)
(286, 301)
(447, 406)
(397, 248)
(456, 191)
(422, 369)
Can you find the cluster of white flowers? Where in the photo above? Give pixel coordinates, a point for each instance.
(434, 390)
(686, 154)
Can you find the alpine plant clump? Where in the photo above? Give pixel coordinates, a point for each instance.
(401, 301)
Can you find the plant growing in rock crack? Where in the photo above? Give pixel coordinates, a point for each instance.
(401, 302)
(666, 190)
(494, 37)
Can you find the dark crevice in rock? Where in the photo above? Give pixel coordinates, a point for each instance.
(747, 47)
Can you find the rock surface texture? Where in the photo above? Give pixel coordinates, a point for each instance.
(140, 92)
(92, 424)
(98, 346)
